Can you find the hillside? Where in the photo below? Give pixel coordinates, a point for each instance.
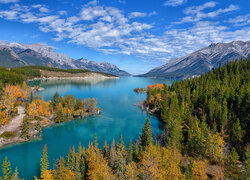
(19, 74)
(40, 54)
(202, 61)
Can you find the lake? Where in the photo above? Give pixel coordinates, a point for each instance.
(119, 116)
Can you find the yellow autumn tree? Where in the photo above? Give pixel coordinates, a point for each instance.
(39, 107)
(97, 166)
(215, 150)
(150, 163)
(199, 170)
(3, 115)
(170, 163)
(132, 171)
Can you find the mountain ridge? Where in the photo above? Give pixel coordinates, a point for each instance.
(41, 54)
(202, 60)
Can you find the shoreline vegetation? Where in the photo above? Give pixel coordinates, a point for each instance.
(33, 114)
(26, 73)
(205, 135)
(23, 116)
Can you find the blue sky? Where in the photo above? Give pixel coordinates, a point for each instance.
(134, 35)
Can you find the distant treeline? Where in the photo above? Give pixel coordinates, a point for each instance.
(18, 75)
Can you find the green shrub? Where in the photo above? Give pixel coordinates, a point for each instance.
(8, 135)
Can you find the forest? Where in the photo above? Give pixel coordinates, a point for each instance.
(205, 134)
(18, 75)
(37, 112)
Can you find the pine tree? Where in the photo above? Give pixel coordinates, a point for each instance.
(105, 151)
(59, 116)
(55, 100)
(31, 97)
(130, 152)
(25, 129)
(6, 169)
(15, 175)
(44, 161)
(247, 163)
(71, 159)
(232, 169)
(39, 127)
(95, 142)
(83, 166)
(136, 152)
(146, 137)
(112, 155)
(236, 134)
(120, 145)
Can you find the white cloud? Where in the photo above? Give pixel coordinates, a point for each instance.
(196, 13)
(174, 2)
(36, 6)
(137, 14)
(62, 12)
(8, 1)
(111, 31)
(141, 14)
(122, 1)
(43, 9)
(240, 20)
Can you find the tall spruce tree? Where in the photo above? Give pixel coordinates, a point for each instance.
(232, 165)
(44, 160)
(59, 116)
(130, 152)
(25, 127)
(95, 142)
(6, 169)
(146, 137)
(55, 100)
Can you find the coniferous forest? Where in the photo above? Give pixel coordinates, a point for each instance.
(205, 135)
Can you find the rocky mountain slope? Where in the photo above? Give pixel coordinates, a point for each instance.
(15, 54)
(202, 61)
(100, 67)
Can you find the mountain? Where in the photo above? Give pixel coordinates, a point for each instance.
(201, 61)
(8, 58)
(16, 54)
(100, 67)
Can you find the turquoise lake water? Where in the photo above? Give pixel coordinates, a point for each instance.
(120, 116)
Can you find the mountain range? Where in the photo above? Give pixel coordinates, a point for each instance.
(201, 61)
(16, 54)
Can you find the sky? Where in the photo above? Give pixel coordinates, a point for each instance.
(135, 35)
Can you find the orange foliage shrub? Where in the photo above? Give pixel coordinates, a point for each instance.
(155, 86)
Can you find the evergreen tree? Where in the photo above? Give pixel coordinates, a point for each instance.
(130, 152)
(120, 145)
(6, 169)
(55, 100)
(59, 116)
(246, 174)
(15, 175)
(112, 155)
(232, 168)
(136, 152)
(31, 97)
(71, 159)
(146, 137)
(236, 134)
(105, 151)
(95, 142)
(44, 160)
(25, 127)
(39, 127)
